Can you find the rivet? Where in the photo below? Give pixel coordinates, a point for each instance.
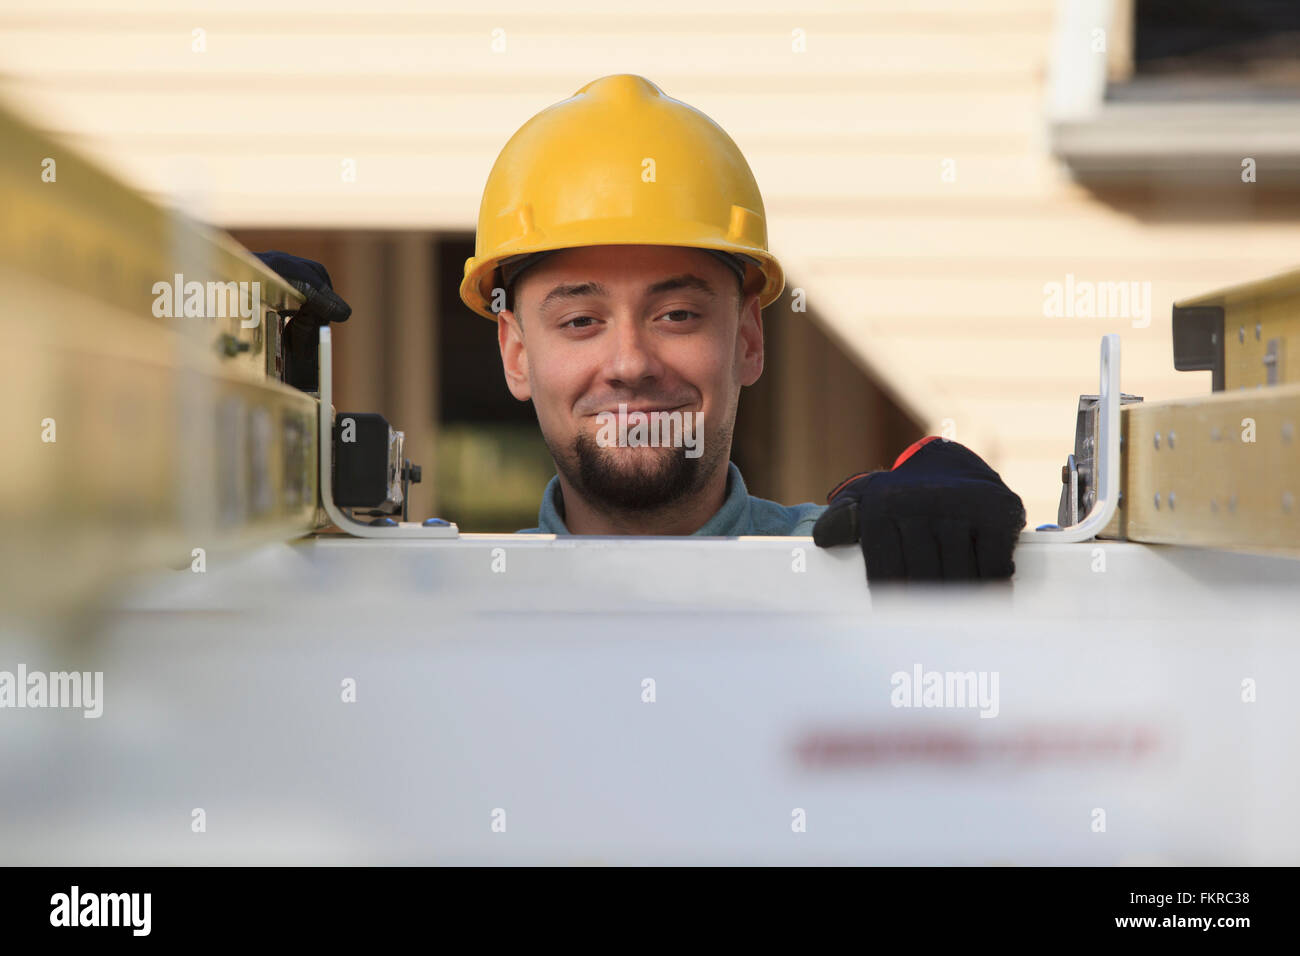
(1171, 438)
(1257, 331)
(1157, 441)
(1241, 333)
(1171, 501)
(1157, 501)
(1287, 431)
(1287, 502)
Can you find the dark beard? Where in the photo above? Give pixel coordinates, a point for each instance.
(608, 488)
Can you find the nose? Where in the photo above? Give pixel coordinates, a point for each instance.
(632, 360)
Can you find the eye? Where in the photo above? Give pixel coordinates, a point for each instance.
(580, 322)
(684, 315)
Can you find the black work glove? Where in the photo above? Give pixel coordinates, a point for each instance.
(940, 514)
(321, 305)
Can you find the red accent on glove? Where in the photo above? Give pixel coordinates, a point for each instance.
(912, 449)
(847, 481)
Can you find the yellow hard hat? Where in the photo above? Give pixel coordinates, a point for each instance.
(619, 163)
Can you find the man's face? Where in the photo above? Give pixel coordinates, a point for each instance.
(655, 328)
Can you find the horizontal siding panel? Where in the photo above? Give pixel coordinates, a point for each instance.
(380, 13)
(1205, 271)
(408, 173)
(1147, 362)
(1080, 232)
(1016, 415)
(755, 82)
(978, 299)
(528, 56)
(883, 123)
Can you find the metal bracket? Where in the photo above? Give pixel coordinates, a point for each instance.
(1070, 491)
(403, 529)
(1108, 453)
(1273, 362)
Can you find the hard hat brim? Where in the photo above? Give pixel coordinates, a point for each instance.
(477, 287)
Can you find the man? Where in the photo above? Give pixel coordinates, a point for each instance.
(622, 251)
(621, 331)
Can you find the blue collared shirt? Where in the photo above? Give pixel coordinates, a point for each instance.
(741, 513)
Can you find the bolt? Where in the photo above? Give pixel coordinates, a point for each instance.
(231, 346)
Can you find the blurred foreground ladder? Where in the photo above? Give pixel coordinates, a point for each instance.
(132, 439)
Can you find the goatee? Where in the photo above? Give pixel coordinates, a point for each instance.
(653, 482)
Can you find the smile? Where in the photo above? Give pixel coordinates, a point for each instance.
(655, 428)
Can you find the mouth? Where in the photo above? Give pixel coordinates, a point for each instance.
(639, 410)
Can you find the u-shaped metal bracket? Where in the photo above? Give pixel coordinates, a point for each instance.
(1107, 456)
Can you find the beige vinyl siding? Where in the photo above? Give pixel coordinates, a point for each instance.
(933, 288)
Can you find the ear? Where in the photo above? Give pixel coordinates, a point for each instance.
(749, 342)
(514, 355)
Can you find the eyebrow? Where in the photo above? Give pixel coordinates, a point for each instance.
(573, 292)
(684, 281)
